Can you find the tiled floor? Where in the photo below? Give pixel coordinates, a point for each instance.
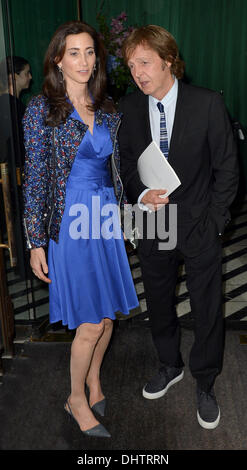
(30, 304)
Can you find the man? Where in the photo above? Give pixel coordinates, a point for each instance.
(200, 147)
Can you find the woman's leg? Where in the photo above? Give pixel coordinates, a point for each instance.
(93, 377)
(82, 351)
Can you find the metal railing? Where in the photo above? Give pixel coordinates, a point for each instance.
(4, 181)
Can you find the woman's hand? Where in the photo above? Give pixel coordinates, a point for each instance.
(38, 264)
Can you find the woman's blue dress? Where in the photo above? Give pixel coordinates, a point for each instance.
(89, 268)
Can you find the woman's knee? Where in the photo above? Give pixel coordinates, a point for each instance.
(90, 332)
(108, 324)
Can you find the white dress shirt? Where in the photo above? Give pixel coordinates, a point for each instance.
(169, 102)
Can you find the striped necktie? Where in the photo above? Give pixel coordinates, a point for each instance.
(163, 131)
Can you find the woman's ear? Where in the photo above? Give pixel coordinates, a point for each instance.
(58, 62)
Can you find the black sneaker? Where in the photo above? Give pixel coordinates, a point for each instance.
(208, 412)
(161, 382)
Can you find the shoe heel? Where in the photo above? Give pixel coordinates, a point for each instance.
(97, 431)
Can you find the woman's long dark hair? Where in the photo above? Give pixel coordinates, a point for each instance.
(54, 88)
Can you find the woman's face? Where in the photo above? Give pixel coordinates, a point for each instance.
(79, 59)
(23, 78)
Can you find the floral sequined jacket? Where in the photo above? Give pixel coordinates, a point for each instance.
(40, 172)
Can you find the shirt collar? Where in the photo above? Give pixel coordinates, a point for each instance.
(168, 98)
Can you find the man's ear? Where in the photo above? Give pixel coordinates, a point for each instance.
(165, 64)
(168, 64)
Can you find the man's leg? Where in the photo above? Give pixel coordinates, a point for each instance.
(160, 271)
(204, 282)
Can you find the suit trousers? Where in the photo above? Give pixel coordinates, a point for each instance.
(204, 283)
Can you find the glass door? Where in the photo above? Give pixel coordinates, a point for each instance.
(23, 298)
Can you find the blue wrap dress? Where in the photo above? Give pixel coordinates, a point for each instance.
(89, 268)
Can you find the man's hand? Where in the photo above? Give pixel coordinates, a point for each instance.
(38, 264)
(153, 200)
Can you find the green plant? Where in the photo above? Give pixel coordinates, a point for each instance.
(113, 36)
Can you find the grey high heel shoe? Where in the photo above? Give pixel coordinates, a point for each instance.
(99, 407)
(97, 431)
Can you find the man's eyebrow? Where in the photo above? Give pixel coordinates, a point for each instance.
(140, 59)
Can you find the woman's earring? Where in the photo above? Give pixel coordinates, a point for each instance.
(61, 74)
(93, 72)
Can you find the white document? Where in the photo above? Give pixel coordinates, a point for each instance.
(155, 171)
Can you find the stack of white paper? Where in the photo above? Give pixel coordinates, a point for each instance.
(155, 171)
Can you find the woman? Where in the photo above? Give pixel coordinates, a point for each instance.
(15, 77)
(22, 75)
(89, 276)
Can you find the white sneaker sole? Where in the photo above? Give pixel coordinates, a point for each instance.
(207, 425)
(161, 393)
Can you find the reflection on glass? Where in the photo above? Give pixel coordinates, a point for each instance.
(15, 76)
(15, 79)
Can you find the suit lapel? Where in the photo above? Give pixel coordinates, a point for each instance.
(144, 113)
(180, 120)
(182, 116)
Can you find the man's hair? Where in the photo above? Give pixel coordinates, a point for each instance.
(158, 39)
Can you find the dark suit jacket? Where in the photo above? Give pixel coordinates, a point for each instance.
(202, 153)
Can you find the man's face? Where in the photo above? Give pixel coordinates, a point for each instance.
(151, 74)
